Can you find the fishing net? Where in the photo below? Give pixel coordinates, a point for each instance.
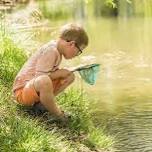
(89, 73)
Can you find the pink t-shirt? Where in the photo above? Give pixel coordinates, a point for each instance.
(46, 59)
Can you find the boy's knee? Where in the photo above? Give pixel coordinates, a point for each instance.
(42, 82)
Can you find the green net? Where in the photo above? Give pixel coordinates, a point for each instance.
(89, 73)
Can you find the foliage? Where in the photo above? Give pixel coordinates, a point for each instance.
(55, 10)
(111, 3)
(11, 59)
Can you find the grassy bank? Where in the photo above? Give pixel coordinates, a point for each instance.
(21, 132)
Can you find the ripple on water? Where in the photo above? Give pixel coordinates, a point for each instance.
(134, 128)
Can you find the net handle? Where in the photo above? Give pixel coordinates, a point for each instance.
(84, 67)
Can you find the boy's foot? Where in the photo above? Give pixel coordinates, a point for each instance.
(62, 120)
(39, 109)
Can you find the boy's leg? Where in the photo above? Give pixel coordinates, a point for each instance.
(64, 84)
(61, 85)
(44, 86)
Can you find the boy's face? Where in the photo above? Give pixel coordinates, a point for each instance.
(70, 49)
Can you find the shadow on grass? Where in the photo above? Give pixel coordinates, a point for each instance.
(51, 122)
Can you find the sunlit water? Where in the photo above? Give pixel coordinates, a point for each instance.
(123, 91)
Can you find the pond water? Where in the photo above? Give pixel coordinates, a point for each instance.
(123, 90)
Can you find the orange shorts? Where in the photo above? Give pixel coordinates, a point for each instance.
(29, 96)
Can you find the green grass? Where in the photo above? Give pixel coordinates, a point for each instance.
(20, 132)
(11, 58)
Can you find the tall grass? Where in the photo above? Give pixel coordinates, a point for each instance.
(11, 59)
(19, 132)
(80, 109)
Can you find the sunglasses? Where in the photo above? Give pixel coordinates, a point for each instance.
(80, 51)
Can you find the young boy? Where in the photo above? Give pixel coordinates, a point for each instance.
(40, 79)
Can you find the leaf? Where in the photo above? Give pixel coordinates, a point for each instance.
(111, 3)
(129, 1)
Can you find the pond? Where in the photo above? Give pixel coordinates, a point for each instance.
(123, 91)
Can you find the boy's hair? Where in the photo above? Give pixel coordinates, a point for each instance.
(74, 32)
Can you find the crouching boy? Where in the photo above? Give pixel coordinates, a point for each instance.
(40, 79)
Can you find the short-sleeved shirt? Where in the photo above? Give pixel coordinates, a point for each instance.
(46, 59)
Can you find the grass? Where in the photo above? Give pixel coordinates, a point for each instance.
(11, 59)
(20, 132)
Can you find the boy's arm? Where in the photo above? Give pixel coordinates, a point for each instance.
(45, 66)
(45, 63)
(61, 73)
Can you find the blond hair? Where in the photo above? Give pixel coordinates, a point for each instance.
(74, 32)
